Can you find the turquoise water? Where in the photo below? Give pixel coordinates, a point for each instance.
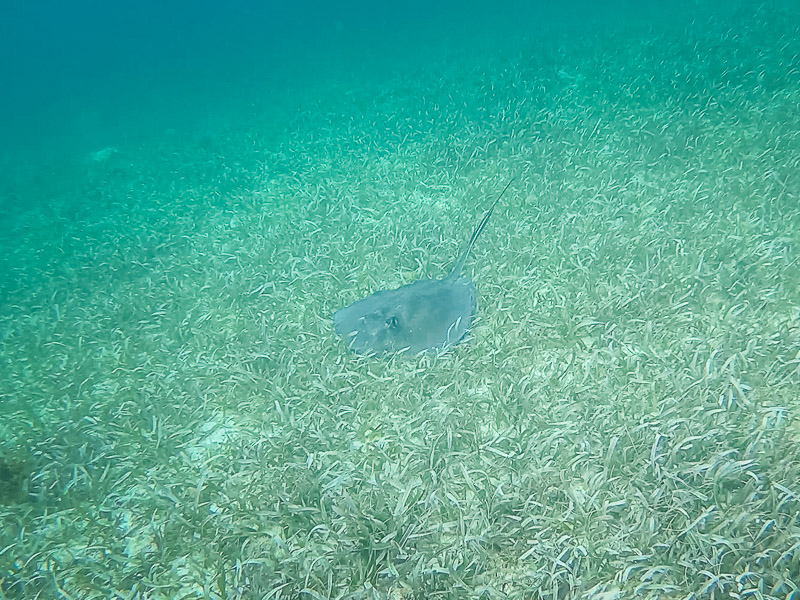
(188, 193)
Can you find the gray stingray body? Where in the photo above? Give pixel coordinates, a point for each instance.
(427, 315)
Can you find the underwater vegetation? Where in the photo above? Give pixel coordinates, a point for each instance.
(180, 420)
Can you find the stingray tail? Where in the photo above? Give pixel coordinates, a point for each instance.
(461, 259)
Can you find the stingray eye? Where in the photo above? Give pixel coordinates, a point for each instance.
(392, 322)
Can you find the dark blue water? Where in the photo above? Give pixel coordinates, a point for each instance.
(83, 75)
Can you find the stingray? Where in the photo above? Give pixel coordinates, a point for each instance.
(427, 315)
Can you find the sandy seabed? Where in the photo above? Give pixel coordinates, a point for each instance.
(623, 419)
